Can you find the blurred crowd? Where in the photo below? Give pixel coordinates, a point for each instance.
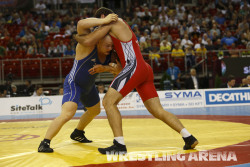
(161, 27)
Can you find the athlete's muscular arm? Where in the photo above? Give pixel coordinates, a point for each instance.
(92, 39)
(114, 68)
(89, 39)
(92, 22)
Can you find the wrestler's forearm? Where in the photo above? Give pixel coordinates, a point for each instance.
(89, 23)
(92, 38)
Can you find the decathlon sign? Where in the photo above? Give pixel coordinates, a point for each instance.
(227, 97)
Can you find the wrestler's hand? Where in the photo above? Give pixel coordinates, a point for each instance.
(97, 69)
(115, 68)
(110, 18)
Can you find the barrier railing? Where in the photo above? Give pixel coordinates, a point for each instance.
(59, 67)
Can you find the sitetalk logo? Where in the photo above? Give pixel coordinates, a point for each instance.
(26, 108)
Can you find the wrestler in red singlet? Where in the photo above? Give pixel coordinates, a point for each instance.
(136, 72)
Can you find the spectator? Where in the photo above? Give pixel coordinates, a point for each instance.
(220, 19)
(155, 34)
(146, 14)
(144, 26)
(29, 37)
(193, 82)
(163, 17)
(244, 82)
(38, 91)
(61, 48)
(195, 34)
(228, 39)
(136, 20)
(23, 32)
(174, 73)
(232, 26)
(202, 51)
(190, 57)
(11, 46)
(183, 28)
(40, 8)
(166, 36)
(243, 26)
(14, 92)
(44, 29)
(146, 46)
(165, 46)
(248, 80)
(40, 48)
(214, 29)
(60, 91)
(205, 39)
(101, 88)
(28, 89)
(68, 31)
(69, 51)
(54, 28)
(154, 53)
(144, 36)
(52, 50)
(173, 22)
(32, 49)
(40, 35)
(154, 18)
(210, 45)
(198, 44)
(177, 51)
(186, 42)
(243, 40)
(230, 82)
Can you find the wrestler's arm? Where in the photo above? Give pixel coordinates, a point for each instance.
(86, 38)
(114, 68)
(92, 22)
(93, 37)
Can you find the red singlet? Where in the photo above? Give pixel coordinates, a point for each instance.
(136, 73)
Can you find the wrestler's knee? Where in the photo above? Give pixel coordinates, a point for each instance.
(107, 102)
(65, 117)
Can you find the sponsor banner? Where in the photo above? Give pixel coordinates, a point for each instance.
(177, 99)
(31, 105)
(127, 103)
(168, 99)
(224, 97)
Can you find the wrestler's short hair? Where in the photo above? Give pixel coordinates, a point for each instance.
(104, 11)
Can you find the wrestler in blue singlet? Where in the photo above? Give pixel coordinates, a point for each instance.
(79, 84)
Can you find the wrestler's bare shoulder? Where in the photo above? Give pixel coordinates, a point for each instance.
(83, 51)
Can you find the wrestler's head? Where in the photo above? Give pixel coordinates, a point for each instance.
(103, 12)
(105, 45)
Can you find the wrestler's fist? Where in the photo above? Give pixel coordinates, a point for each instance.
(110, 18)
